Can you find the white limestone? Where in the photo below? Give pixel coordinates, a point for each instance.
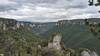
(85, 53)
(55, 42)
(94, 54)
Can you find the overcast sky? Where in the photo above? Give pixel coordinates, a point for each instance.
(47, 10)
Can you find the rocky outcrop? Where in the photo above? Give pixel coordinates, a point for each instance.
(11, 24)
(85, 53)
(6, 24)
(91, 53)
(55, 43)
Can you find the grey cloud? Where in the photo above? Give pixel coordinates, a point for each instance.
(36, 1)
(25, 2)
(67, 4)
(7, 8)
(75, 7)
(10, 6)
(43, 18)
(78, 6)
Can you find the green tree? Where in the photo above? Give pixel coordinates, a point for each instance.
(91, 3)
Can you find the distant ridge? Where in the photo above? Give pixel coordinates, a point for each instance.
(74, 32)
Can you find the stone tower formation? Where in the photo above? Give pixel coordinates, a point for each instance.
(56, 42)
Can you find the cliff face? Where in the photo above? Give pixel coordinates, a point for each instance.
(11, 24)
(7, 24)
(86, 53)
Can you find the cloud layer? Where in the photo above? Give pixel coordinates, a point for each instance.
(47, 10)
